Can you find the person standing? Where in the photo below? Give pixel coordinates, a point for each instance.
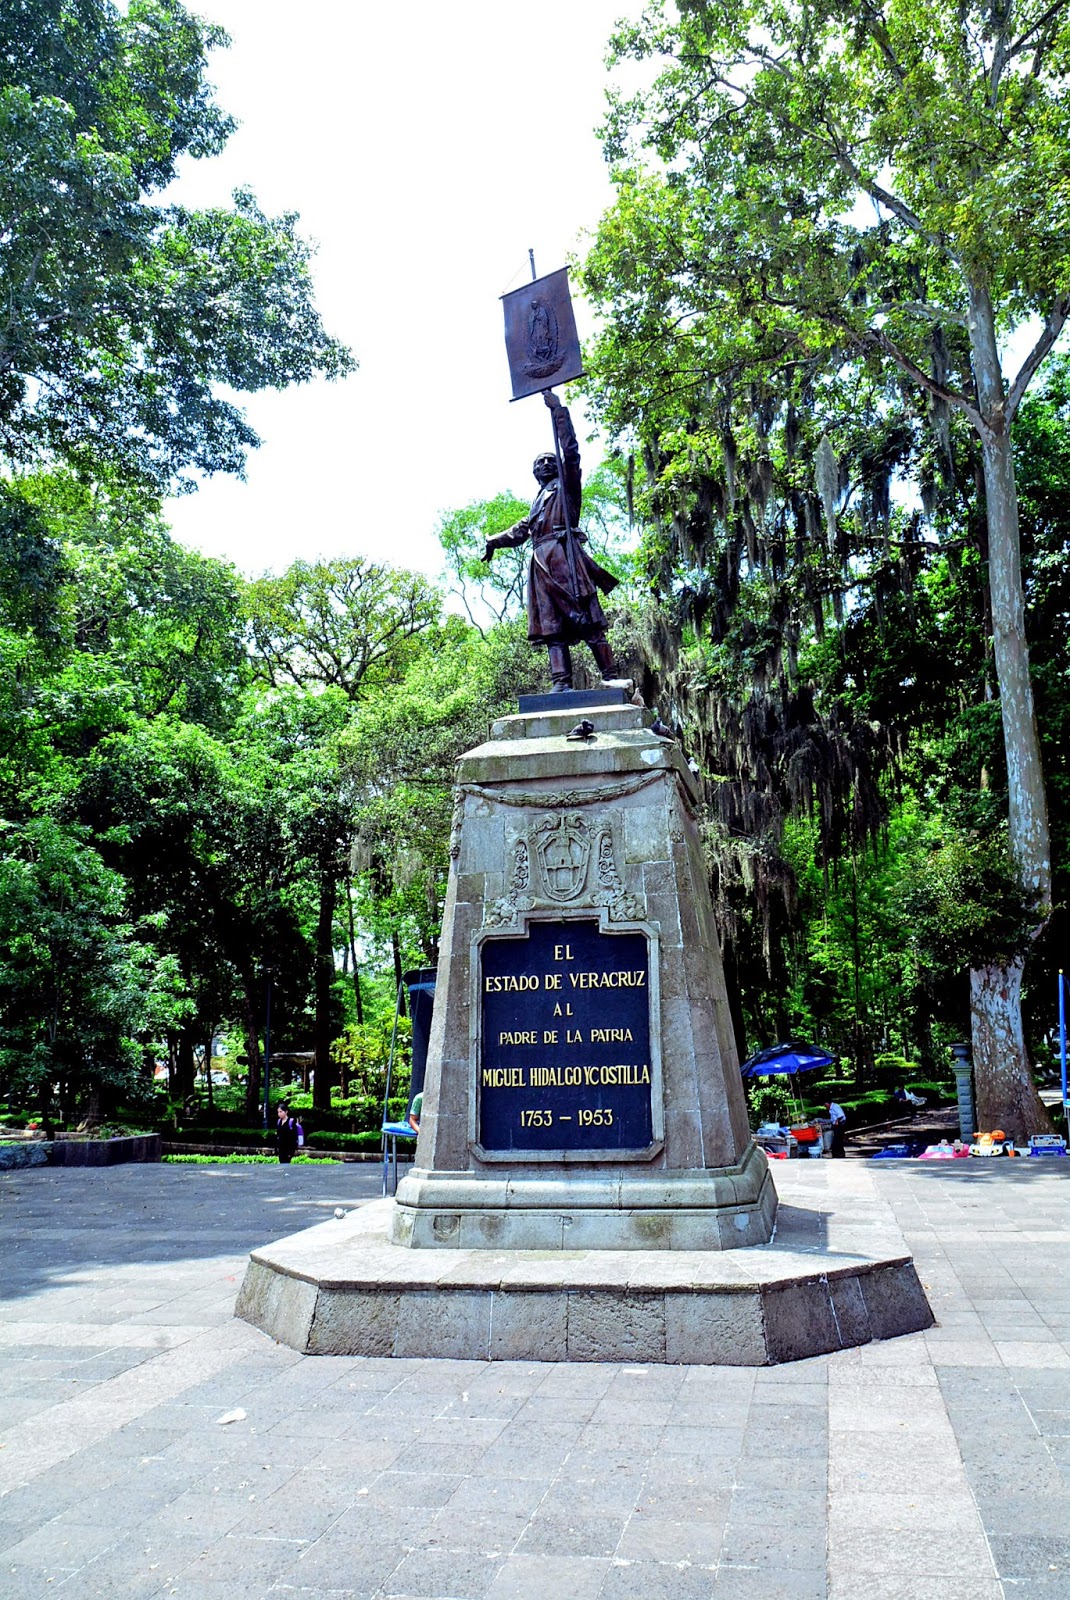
(285, 1133)
(838, 1118)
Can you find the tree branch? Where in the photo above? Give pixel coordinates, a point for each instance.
(1049, 333)
(922, 308)
(951, 397)
(1042, 21)
(884, 197)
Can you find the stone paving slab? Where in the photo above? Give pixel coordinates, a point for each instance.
(932, 1467)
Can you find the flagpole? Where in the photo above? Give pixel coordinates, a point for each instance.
(1062, 1039)
(570, 549)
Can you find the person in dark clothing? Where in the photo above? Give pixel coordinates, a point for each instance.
(560, 611)
(285, 1133)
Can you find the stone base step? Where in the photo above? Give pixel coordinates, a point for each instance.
(341, 1288)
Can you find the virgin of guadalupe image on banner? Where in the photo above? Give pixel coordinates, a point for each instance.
(541, 342)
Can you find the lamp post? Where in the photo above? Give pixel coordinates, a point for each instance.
(963, 1069)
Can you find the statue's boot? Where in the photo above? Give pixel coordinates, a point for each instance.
(603, 656)
(560, 668)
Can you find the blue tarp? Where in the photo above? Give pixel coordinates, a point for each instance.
(786, 1058)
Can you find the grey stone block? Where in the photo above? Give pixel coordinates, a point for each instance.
(529, 1327)
(279, 1304)
(25, 1153)
(619, 1327)
(106, 1152)
(455, 1324)
(656, 1580)
(715, 1330)
(799, 1320)
(750, 1227)
(646, 833)
(895, 1301)
(482, 845)
(346, 1320)
(850, 1312)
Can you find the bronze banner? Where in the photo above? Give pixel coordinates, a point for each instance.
(540, 335)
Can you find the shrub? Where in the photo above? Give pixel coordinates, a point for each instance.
(234, 1160)
(770, 1101)
(368, 1140)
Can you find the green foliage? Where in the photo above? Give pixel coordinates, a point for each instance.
(364, 1054)
(126, 318)
(486, 588)
(494, 591)
(968, 905)
(350, 1118)
(232, 1159)
(815, 254)
(369, 1139)
(201, 1133)
(77, 986)
(348, 624)
(399, 754)
(770, 1101)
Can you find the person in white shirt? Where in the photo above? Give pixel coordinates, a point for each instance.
(838, 1118)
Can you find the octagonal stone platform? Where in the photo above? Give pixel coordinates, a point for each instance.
(828, 1280)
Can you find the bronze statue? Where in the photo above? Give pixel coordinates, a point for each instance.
(563, 580)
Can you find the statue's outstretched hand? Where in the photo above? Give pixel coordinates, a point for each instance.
(488, 550)
(551, 399)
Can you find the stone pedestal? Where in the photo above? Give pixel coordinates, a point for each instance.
(582, 1088)
(584, 1166)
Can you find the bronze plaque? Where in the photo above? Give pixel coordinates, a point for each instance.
(540, 335)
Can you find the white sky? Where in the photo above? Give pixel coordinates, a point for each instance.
(426, 146)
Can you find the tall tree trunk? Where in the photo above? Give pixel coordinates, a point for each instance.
(1027, 804)
(185, 1077)
(1006, 1095)
(323, 1071)
(398, 974)
(91, 1120)
(253, 1108)
(353, 953)
(1001, 1060)
(208, 1077)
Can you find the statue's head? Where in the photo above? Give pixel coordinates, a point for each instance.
(545, 468)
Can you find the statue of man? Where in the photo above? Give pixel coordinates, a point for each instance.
(562, 608)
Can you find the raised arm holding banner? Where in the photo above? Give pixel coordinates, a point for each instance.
(563, 579)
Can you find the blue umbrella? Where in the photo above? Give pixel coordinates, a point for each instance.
(786, 1058)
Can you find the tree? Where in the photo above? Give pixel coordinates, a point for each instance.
(301, 734)
(166, 618)
(399, 754)
(877, 189)
(124, 317)
(80, 992)
(343, 624)
(495, 590)
(338, 631)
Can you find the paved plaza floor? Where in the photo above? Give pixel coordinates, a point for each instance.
(935, 1466)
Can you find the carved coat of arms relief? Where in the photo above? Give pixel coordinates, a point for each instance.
(563, 858)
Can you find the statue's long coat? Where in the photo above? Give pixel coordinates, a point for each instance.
(556, 615)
